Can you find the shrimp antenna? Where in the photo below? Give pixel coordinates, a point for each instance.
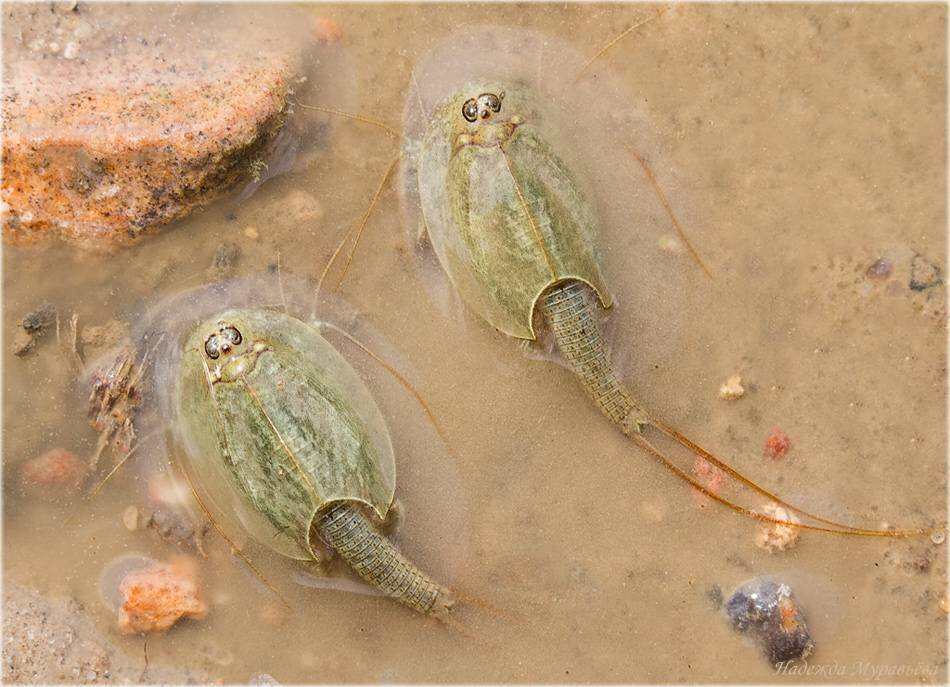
(398, 376)
(364, 220)
(668, 208)
(349, 115)
(616, 39)
(234, 547)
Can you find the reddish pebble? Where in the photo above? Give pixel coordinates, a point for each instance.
(778, 444)
(56, 467)
(708, 475)
(326, 31)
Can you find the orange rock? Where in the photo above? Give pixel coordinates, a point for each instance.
(56, 467)
(154, 598)
(135, 134)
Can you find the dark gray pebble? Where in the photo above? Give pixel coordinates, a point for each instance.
(767, 611)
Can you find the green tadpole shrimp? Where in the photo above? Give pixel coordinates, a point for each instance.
(273, 413)
(515, 230)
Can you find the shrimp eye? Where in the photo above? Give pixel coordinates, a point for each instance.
(492, 101)
(232, 335)
(211, 347)
(470, 110)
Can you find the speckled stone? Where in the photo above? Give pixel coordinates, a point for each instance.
(136, 125)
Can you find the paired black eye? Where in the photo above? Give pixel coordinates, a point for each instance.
(223, 341)
(482, 106)
(232, 335)
(211, 347)
(491, 101)
(470, 110)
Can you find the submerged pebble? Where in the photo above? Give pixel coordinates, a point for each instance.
(154, 598)
(55, 468)
(326, 31)
(130, 518)
(176, 526)
(767, 611)
(669, 244)
(777, 444)
(924, 274)
(37, 321)
(23, 342)
(300, 206)
(732, 389)
(880, 269)
(709, 475)
(774, 537)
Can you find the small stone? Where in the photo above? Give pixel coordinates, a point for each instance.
(326, 31)
(945, 603)
(881, 269)
(71, 51)
(251, 232)
(711, 477)
(777, 445)
(732, 389)
(37, 321)
(157, 596)
(130, 518)
(938, 537)
(55, 468)
(774, 537)
(23, 342)
(669, 244)
(768, 611)
(178, 526)
(923, 274)
(301, 206)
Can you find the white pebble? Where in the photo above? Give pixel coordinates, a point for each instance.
(732, 389)
(130, 518)
(669, 244)
(938, 537)
(71, 51)
(774, 537)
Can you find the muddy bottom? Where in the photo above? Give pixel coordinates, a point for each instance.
(798, 146)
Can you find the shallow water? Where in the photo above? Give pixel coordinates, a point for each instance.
(797, 145)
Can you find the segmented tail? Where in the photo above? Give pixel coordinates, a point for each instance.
(374, 558)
